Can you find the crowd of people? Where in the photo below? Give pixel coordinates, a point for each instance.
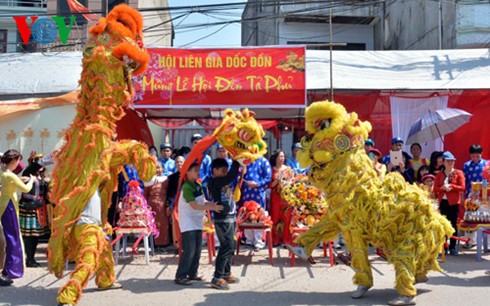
(211, 186)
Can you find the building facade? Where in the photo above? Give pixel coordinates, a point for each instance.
(158, 28)
(368, 24)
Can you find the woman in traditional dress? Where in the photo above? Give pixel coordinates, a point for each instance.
(11, 257)
(280, 216)
(32, 206)
(156, 196)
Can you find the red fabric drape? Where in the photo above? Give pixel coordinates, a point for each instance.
(171, 123)
(477, 131)
(132, 126)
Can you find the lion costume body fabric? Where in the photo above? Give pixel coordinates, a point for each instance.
(90, 159)
(389, 214)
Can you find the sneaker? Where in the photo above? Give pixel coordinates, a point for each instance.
(197, 278)
(5, 280)
(360, 292)
(114, 285)
(338, 246)
(220, 284)
(298, 251)
(231, 279)
(469, 245)
(402, 300)
(183, 281)
(453, 252)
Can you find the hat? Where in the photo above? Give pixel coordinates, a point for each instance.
(296, 145)
(196, 136)
(397, 140)
(218, 146)
(448, 156)
(375, 151)
(369, 141)
(428, 176)
(166, 145)
(34, 157)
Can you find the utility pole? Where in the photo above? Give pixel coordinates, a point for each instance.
(331, 53)
(440, 25)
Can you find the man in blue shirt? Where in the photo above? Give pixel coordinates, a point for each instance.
(472, 170)
(293, 163)
(167, 162)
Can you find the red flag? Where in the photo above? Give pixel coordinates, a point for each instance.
(76, 6)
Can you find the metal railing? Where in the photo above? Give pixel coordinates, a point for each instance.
(24, 3)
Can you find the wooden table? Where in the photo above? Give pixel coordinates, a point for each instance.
(481, 239)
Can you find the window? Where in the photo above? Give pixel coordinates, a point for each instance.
(3, 41)
(325, 45)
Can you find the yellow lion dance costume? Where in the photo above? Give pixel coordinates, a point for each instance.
(88, 163)
(388, 214)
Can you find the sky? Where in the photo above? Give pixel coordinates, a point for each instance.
(228, 36)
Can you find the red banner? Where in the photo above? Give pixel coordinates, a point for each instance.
(243, 77)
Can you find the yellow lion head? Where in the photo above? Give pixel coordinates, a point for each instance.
(241, 136)
(330, 131)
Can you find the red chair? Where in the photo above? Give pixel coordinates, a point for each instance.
(255, 226)
(209, 231)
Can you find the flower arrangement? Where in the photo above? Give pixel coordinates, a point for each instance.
(486, 171)
(307, 202)
(471, 204)
(252, 212)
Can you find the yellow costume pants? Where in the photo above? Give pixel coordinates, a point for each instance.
(93, 255)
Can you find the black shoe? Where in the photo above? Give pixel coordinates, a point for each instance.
(32, 264)
(183, 281)
(197, 278)
(5, 280)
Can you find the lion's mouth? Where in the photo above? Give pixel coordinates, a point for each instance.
(240, 145)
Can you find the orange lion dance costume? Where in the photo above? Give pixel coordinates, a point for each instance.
(87, 165)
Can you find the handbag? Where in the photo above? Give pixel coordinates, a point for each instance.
(32, 201)
(31, 204)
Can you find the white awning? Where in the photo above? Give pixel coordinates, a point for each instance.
(399, 70)
(44, 73)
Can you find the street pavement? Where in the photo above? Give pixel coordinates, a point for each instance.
(463, 282)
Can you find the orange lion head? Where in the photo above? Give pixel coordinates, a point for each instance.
(121, 33)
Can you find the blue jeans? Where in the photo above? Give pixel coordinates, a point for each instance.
(225, 230)
(191, 253)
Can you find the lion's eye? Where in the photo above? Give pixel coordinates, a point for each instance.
(325, 124)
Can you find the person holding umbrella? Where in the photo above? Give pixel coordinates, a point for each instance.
(447, 186)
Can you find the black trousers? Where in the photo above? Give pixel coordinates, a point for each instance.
(191, 253)
(451, 213)
(225, 230)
